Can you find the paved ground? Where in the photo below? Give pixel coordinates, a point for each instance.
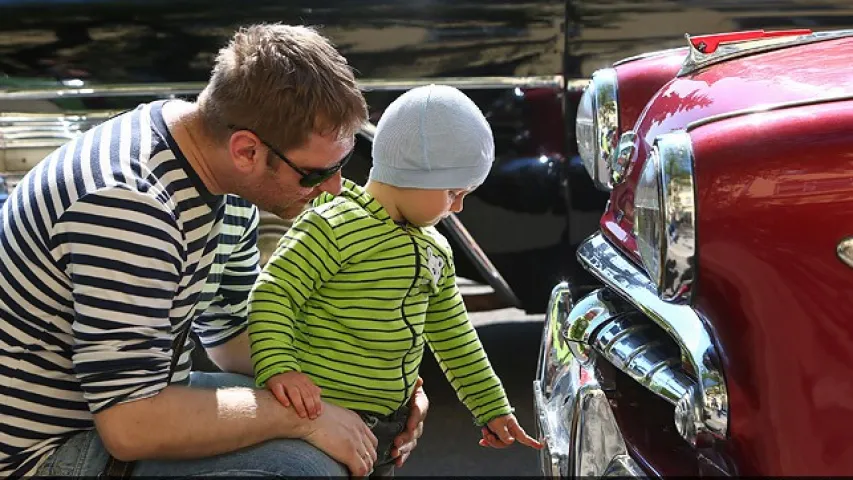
(449, 445)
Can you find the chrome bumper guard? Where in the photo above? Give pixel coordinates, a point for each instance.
(614, 324)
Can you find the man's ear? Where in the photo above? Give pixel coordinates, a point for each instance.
(245, 152)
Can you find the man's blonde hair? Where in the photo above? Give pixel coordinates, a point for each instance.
(284, 82)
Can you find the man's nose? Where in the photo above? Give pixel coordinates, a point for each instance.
(333, 184)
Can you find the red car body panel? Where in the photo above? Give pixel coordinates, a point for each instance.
(640, 79)
(775, 198)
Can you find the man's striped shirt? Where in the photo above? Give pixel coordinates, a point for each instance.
(350, 298)
(107, 248)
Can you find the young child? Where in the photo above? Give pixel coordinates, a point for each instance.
(362, 281)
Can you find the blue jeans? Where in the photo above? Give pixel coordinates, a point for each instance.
(84, 454)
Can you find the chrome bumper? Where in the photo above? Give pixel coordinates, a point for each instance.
(629, 326)
(573, 415)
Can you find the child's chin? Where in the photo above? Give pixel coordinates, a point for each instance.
(431, 223)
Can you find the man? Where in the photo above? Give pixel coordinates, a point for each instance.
(120, 239)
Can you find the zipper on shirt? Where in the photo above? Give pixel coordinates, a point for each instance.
(406, 320)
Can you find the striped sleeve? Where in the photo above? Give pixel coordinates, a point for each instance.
(457, 348)
(225, 318)
(306, 257)
(123, 252)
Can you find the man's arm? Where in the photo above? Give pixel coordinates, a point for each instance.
(234, 355)
(183, 422)
(222, 326)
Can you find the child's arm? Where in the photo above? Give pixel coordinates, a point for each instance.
(503, 431)
(460, 354)
(306, 257)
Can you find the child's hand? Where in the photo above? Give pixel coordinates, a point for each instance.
(503, 431)
(297, 389)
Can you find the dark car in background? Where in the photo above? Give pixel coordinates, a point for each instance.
(66, 65)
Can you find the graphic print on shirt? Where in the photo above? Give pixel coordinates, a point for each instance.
(435, 265)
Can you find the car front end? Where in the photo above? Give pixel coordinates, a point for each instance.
(638, 378)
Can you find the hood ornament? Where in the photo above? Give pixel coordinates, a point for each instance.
(705, 50)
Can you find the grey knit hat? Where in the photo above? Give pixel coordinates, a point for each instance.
(432, 137)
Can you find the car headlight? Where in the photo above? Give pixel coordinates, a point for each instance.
(597, 126)
(665, 216)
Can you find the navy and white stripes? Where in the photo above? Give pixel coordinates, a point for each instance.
(108, 247)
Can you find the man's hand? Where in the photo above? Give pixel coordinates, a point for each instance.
(297, 389)
(503, 431)
(408, 439)
(344, 436)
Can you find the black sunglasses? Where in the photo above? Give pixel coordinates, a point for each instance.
(310, 177)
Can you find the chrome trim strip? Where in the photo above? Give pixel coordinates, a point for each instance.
(678, 270)
(766, 108)
(697, 60)
(680, 321)
(368, 85)
(645, 55)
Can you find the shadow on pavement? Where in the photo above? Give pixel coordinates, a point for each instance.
(449, 444)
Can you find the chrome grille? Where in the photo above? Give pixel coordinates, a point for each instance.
(637, 347)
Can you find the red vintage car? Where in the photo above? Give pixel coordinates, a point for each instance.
(720, 343)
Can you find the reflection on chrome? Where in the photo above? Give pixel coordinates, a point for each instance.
(844, 250)
(709, 399)
(607, 118)
(574, 416)
(625, 158)
(675, 154)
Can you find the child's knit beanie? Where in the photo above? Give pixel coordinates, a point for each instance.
(432, 137)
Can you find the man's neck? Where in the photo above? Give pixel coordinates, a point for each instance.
(185, 125)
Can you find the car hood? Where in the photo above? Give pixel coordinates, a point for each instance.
(791, 74)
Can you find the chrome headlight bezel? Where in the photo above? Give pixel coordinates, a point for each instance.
(665, 216)
(597, 126)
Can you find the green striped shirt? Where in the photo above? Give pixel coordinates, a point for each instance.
(350, 298)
